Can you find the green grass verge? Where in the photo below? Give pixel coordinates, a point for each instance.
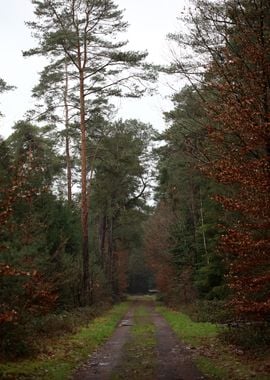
(190, 332)
(139, 361)
(216, 360)
(66, 353)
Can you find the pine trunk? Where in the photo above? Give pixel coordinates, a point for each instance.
(84, 203)
(102, 239)
(68, 160)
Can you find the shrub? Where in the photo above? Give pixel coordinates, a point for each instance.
(215, 311)
(248, 336)
(23, 339)
(14, 341)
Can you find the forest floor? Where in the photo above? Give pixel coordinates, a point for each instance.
(141, 340)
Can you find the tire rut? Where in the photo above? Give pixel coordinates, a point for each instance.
(104, 360)
(174, 359)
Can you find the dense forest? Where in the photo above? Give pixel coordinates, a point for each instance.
(93, 207)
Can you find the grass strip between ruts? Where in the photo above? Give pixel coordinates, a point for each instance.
(139, 359)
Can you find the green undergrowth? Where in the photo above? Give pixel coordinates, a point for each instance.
(67, 352)
(214, 358)
(226, 366)
(31, 337)
(139, 360)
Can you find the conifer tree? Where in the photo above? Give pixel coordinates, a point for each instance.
(4, 87)
(85, 34)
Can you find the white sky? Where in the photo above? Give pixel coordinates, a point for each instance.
(150, 21)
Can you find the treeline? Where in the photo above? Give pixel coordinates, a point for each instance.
(209, 235)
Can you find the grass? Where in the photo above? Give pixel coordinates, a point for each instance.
(227, 367)
(139, 360)
(215, 359)
(66, 353)
(190, 332)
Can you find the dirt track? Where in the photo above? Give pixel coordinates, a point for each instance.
(173, 360)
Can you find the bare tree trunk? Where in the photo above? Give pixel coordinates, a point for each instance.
(193, 215)
(203, 233)
(68, 160)
(84, 203)
(110, 251)
(102, 239)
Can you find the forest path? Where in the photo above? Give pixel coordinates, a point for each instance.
(143, 347)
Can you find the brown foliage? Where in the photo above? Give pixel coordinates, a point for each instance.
(239, 130)
(36, 295)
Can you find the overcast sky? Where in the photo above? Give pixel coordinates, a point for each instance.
(150, 21)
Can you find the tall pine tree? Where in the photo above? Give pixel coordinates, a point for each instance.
(85, 34)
